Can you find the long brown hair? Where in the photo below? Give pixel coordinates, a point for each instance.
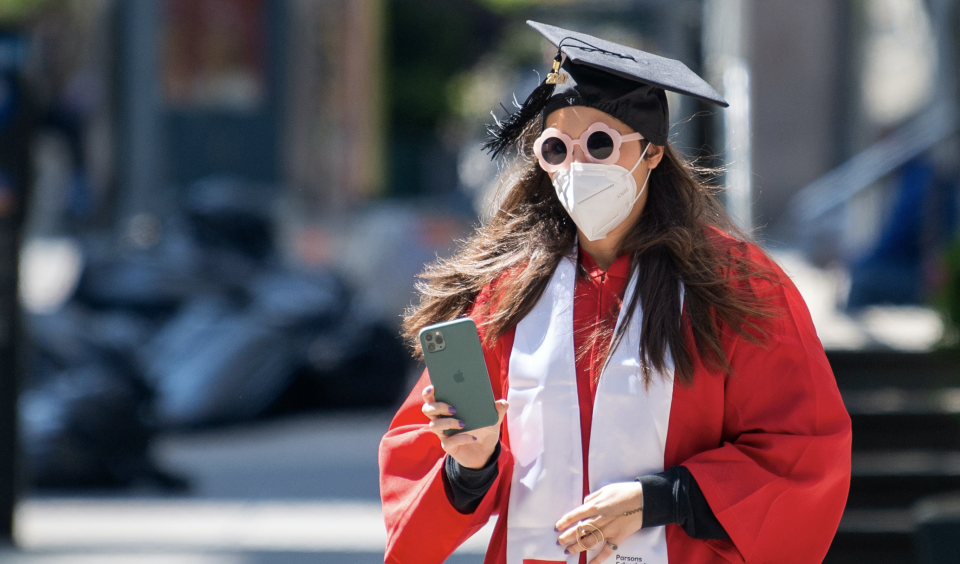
(676, 240)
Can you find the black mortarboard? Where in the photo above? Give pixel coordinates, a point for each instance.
(626, 83)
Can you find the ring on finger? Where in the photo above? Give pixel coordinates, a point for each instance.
(596, 534)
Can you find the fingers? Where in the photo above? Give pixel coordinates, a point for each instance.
(592, 540)
(432, 408)
(568, 537)
(581, 513)
(604, 554)
(437, 409)
(441, 424)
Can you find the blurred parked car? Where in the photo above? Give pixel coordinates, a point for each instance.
(204, 327)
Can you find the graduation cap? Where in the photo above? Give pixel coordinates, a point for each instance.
(626, 83)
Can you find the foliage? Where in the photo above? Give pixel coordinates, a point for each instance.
(13, 11)
(430, 42)
(507, 6)
(947, 298)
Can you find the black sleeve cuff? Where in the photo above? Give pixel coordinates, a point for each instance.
(674, 498)
(659, 505)
(465, 487)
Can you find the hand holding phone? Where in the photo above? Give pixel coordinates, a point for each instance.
(471, 449)
(461, 398)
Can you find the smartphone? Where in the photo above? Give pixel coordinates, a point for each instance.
(458, 372)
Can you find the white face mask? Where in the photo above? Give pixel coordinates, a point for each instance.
(598, 197)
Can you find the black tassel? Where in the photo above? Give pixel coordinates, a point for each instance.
(504, 133)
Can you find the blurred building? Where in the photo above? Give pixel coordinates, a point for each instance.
(161, 93)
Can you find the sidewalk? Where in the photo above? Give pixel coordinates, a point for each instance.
(289, 491)
(881, 327)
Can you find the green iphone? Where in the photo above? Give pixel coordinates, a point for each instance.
(458, 372)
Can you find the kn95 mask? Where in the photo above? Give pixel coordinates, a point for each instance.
(598, 197)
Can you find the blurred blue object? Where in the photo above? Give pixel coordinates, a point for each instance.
(892, 272)
(147, 283)
(290, 300)
(85, 413)
(231, 215)
(214, 362)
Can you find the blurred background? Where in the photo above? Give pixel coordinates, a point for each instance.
(212, 213)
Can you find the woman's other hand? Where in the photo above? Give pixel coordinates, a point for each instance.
(612, 509)
(471, 449)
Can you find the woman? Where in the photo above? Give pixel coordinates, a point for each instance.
(663, 396)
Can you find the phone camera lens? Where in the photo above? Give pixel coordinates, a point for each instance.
(431, 347)
(428, 337)
(439, 340)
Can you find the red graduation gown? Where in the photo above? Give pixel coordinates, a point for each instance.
(768, 446)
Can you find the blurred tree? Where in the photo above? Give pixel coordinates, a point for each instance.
(429, 43)
(14, 11)
(507, 6)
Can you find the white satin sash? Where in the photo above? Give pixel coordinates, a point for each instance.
(627, 439)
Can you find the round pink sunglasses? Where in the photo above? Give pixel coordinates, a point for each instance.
(600, 143)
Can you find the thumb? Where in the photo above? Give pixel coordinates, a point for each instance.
(502, 406)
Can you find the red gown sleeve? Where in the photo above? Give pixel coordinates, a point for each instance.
(422, 525)
(779, 481)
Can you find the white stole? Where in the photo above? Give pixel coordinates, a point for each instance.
(628, 434)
